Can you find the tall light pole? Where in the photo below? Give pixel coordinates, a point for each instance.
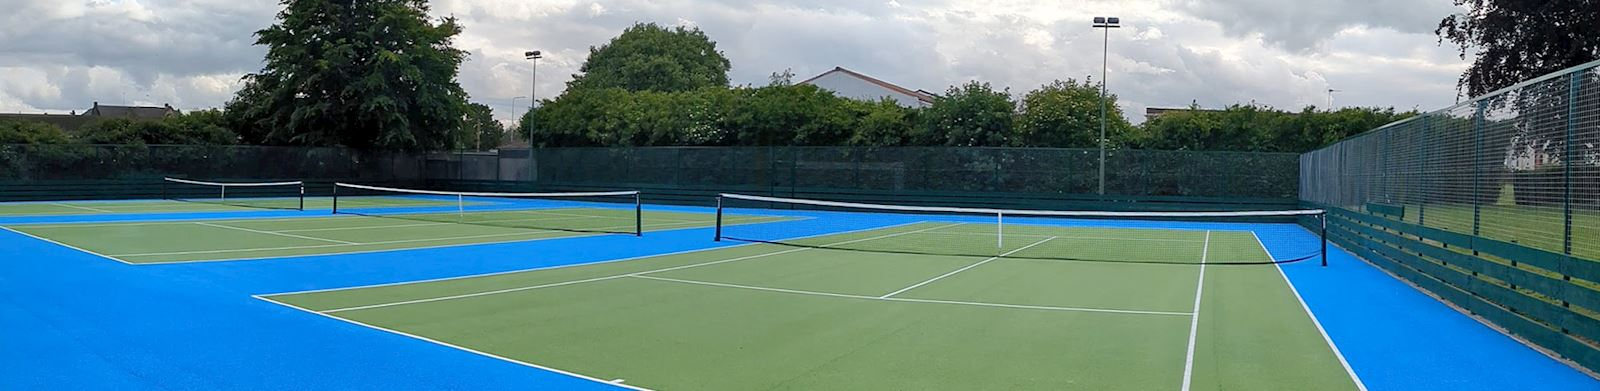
(1330, 98)
(1106, 23)
(533, 100)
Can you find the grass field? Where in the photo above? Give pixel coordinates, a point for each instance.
(171, 206)
(830, 315)
(217, 240)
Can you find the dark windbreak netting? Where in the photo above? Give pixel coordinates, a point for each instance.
(1185, 238)
(616, 212)
(265, 195)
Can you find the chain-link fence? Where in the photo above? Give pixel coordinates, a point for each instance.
(76, 171)
(998, 171)
(1521, 165)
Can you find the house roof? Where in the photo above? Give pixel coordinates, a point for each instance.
(919, 94)
(130, 112)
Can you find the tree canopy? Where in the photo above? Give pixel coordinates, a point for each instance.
(1067, 114)
(649, 57)
(366, 74)
(1515, 40)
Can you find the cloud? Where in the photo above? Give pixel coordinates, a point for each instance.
(63, 55)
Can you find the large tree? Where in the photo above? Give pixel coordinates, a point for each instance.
(969, 115)
(1066, 114)
(1515, 40)
(482, 131)
(649, 57)
(366, 74)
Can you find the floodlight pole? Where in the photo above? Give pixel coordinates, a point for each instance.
(1105, 23)
(533, 100)
(514, 107)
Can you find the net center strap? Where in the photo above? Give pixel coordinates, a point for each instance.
(483, 194)
(234, 184)
(1024, 212)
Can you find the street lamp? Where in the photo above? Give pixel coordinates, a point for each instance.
(1106, 23)
(533, 94)
(514, 106)
(1330, 98)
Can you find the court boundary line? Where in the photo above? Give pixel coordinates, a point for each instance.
(544, 232)
(79, 249)
(1361, 386)
(61, 204)
(911, 300)
(286, 235)
(1068, 237)
(457, 347)
(953, 272)
(1194, 321)
(553, 267)
(614, 276)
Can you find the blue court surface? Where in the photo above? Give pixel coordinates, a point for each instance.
(71, 319)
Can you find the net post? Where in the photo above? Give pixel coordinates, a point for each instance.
(164, 184)
(638, 215)
(719, 220)
(302, 197)
(1324, 235)
(335, 198)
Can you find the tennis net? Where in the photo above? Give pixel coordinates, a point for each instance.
(1090, 236)
(289, 195)
(614, 212)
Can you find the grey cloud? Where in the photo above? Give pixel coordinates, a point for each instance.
(1301, 25)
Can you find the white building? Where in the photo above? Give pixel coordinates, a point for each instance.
(850, 84)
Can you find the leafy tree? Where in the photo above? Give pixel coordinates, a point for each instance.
(1515, 40)
(883, 123)
(791, 115)
(649, 57)
(1066, 114)
(31, 132)
(481, 130)
(202, 127)
(1260, 129)
(970, 115)
(374, 73)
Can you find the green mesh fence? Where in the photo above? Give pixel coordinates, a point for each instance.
(917, 170)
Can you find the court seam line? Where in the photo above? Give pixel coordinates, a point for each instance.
(80, 249)
(953, 272)
(457, 347)
(1361, 386)
(910, 300)
(373, 251)
(1194, 321)
(616, 276)
(279, 234)
(555, 267)
(367, 244)
(80, 207)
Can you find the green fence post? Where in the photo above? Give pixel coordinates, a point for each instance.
(1422, 202)
(1477, 169)
(1566, 163)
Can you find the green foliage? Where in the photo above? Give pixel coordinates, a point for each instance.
(30, 132)
(884, 123)
(970, 115)
(366, 74)
(1517, 40)
(481, 130)
(1260, 129)
(203, 127)
(649, 57)
(1066, 114)
(791, 115)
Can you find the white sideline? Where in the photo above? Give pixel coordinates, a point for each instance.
(458, 347)
(413, 225)
(1325, 338)
(1194, 321)
(616, 276)
(931, 301)
(81, 207)
(953, 272)
(279, 234)
(80, 249)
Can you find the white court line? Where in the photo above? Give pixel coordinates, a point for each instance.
(1011, 235)
(953, 302)
(616, 276)
(1194, 321)
(81, 207)
(279, 234)
(458, 347)
(538, 232)
(953, 272)
(66, 245)
(423, 224)
(1325, 338)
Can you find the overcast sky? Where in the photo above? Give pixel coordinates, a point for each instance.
(62, 55)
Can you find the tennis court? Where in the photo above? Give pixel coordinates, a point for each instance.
(902, 306)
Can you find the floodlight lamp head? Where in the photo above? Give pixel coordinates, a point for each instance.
(533, 54)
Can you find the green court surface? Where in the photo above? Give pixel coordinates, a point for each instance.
(216, 240)
(832, 315)
(172, 206)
